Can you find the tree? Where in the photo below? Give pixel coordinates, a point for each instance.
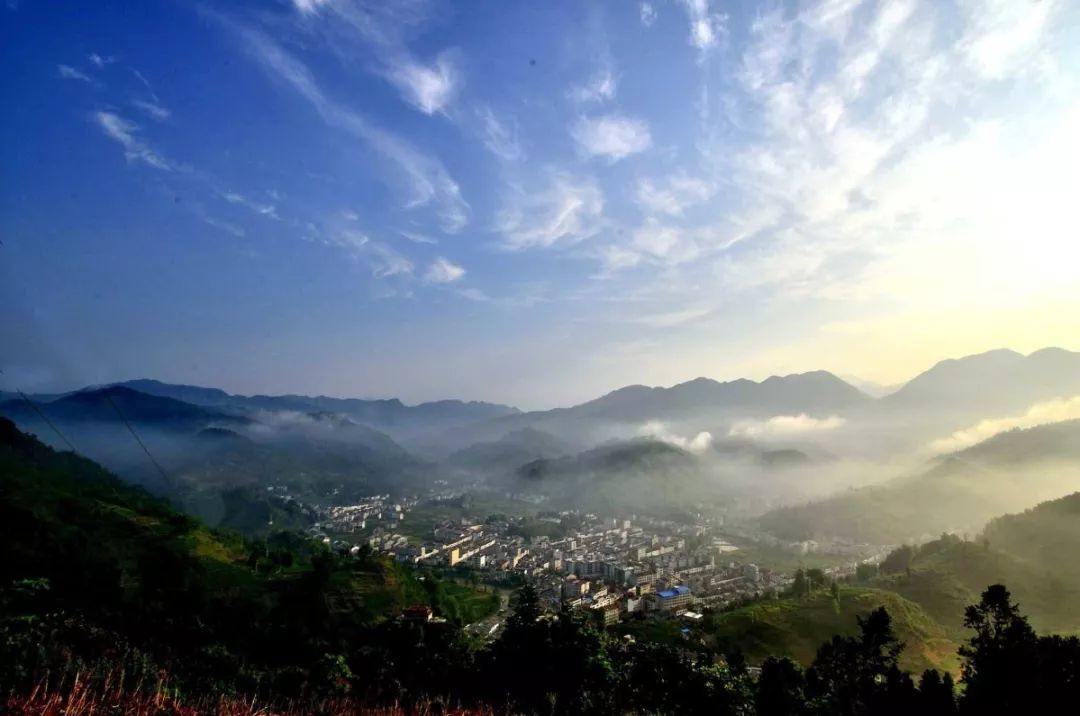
(999, 660)
(860, 676)
(899, 560)
(936, 694)
(865, 572)
(780, 689)
(1007, 668)
(798, 588)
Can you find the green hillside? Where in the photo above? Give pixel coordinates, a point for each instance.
(95, 571)
(949, 573)
(796, 627)
(1045, 537)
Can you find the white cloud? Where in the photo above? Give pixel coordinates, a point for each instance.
(70, 73)
(500, 140)
(879, 161)
(428, 88)
(224, 225)
(309, 6)
(615, 258)
(672, 195)
(153, 109)
(416, 237)
(1051, 411)
(667, 244)
(126, 134)
(356, 29)
(427, 180)
(146, 83)
(567, 211)
(600, 88)
(611, 136)
(647, 14)
(99, 61)
(706, 26)
(659, 431)
(385, 261)
(443, 271)
(784, 425)
(258, 207)
(1002, 33)
(381, 259)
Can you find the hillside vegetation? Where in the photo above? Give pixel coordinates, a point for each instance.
(796, 626)
(946, 575)
(1046, 537)
(92, 569)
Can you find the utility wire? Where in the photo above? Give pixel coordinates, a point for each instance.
(42, 415)
(45, 418)
(124, 420)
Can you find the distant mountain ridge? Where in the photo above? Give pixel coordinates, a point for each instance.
(383, 412)
(960, 491)
(992, 383)
(123, 403)
(813, 392)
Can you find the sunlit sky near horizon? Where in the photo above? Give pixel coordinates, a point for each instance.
(532, 202)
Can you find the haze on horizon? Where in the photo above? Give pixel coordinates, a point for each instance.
(534, 206)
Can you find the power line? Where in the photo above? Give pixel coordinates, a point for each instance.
(124, 420)
(45, 418)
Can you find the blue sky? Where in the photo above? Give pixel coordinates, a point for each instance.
(532, 202)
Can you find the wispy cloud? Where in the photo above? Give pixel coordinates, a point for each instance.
(1051, 411)
(672, 195)
(660, 431)
(707, 26)
(381, 259)
(145, 83)
(429, 88)
(427, 180)
(385, 261)
(258, 207)
(647, 13)
(565, 211)
(416, 237)
(153, 109)
(72, 73)
(309, 6)
(443, 270)
(611, 136)
(500, 140)
(785, 425)
(100, 61)
(126, 133)
(600, 88)
(223, 225)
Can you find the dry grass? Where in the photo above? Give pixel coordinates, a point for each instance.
(80, 698)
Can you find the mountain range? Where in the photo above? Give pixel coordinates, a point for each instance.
(768, 442)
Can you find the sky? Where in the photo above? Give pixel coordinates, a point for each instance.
(532, 202)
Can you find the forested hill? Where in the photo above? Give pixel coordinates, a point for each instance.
(94, 571)
(1046, 537)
